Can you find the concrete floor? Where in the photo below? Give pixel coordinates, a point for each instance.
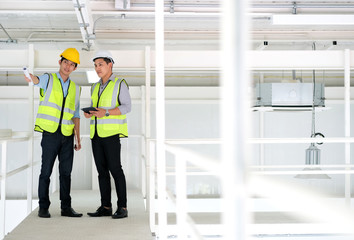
(135, 227)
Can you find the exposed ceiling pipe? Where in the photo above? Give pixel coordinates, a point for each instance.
(104, 17)
(122, 15)
(47, 32)
(172, 6)
(189, 4)
(85, 25)
(10, 40)
(297, 6)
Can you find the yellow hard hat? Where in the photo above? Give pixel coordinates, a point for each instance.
(71, 54)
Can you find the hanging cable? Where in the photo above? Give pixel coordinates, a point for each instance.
(313, 132)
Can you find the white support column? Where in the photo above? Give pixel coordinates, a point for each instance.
(147, 92)
(30, 129)
(152, 185)
(261, 129)
(3, 189)
(181, 197)
(160, 118)
(143, 158)
(347, 120)
(235, 119)
(146, 124)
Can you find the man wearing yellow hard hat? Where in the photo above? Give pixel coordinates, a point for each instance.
(58, 119)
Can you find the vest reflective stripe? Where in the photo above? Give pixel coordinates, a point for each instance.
(47, 117)
(113, 124)
(54, 119)
(50, 107)
(109, 121)
(49, 104)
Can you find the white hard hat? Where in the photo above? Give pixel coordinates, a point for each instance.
(103, 54)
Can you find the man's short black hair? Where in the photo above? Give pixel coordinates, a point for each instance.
(63, 58)
(107, 60)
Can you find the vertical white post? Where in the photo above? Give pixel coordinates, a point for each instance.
(3, 189)
(147, 112)
(152, 188)
(181, 197)
(160, 117)
(235, 119)
(147, 91)
(347, 120)
(261, 129)
(144, 172)
(30, 134)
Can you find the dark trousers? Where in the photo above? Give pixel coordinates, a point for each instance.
(53, 145)
(106, 152)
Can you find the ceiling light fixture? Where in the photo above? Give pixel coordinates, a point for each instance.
(313, 154)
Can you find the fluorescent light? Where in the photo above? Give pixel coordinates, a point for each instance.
(296, 19)
(92, 76)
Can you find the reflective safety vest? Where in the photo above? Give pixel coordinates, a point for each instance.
(113, 124)
(54, 109)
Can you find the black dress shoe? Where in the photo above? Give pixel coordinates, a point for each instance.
(101, 211)
(120, 213)
(70, 212)
(43, 213)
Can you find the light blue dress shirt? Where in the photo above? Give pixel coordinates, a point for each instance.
(43, 83)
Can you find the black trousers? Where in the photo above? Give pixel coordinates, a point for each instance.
(106, 152)
(53, 145)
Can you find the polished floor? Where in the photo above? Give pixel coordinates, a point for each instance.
(135, 227)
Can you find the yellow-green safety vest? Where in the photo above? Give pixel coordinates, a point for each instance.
(51, 110)
(113, 124)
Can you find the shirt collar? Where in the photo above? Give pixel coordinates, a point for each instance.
(111, 78)
(58, 75)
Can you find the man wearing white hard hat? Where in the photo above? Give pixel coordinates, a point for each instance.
(58, 119)
(111, 99)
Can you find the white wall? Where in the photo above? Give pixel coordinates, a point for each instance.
(329, 122)
(190, 113)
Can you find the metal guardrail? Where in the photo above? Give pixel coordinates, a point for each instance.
(16, 137)
(260, 185)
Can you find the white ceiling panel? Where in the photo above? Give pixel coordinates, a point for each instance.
(189, 25)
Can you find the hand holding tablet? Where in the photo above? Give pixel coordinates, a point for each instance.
(88, 109)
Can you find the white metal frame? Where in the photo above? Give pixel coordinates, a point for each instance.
(16, 137)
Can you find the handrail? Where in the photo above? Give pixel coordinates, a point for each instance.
(16, 137)
(262, 140)
(19, 169)
(208, 164)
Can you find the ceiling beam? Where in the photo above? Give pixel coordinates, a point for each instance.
(85, 21)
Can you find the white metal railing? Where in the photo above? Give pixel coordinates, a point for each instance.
(184, 221)
(313, 206)
(16, 137)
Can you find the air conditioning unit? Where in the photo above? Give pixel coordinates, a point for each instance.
(289, 95)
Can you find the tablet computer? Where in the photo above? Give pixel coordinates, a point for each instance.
(88, 109)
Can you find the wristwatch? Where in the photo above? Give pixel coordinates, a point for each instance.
(107, 113)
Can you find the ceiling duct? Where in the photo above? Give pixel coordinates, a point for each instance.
(292, 94)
